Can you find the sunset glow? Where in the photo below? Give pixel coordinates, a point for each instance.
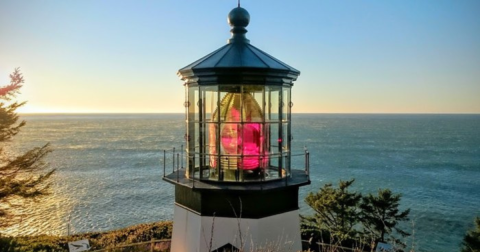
(379, 57)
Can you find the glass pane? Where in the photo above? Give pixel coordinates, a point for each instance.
(207, 137)
(275, 138)
(193, 100)
(286, 104)
(210, 102)
(286, 165)
(197, 165)
(230, 139)
(223, 107)
(191, 103)
(285, 142)
(259, 98)
(251, 144)
(205, 173)
(272, 98)
(213, 144)
(197, 138)
(274, 167)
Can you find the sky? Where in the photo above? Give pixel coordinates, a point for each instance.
(117, 56)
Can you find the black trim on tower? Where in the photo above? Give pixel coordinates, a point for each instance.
(236, 204)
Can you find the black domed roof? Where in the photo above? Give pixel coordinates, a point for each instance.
(238, 61)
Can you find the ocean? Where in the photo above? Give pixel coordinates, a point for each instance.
(110, 168)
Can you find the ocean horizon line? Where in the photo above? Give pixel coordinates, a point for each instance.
(293, 113)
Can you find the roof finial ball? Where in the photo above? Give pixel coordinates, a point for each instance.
(238, 19)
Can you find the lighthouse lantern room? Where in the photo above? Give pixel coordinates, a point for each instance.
(238, 188)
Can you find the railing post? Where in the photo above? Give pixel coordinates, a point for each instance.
(192, 170)
(182, 150)
(306, 161)
(164, 158)
(173, 154)
(286, 173)
(178, 171)
(308, 164)
(192, 177)
(262, 178)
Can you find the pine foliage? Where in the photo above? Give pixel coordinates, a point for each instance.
(380, 215)
(344, 217)
(20, 175)
(336, 209)
(471, 241)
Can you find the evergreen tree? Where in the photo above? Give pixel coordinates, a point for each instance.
(380, 216)
(471, 241)
(336, 210)
(20, 177)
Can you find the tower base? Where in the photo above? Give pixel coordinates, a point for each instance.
(195, 233)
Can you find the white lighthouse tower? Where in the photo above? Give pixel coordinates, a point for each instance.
(238, 190)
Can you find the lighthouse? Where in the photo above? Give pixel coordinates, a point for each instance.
(238, 190)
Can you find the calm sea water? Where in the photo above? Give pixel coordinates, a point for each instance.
(109, 168)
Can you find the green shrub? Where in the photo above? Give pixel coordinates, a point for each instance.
(471, 240)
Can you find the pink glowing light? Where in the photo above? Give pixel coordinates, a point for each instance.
(246, 139)
(241, 142)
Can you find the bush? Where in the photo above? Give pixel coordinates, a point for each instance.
(348, 219)
(471, 241)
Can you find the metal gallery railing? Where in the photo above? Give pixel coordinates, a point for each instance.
(173, 160)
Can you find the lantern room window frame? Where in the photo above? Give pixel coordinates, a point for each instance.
(206, 158)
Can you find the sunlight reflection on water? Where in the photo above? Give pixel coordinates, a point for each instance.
(49, 216)
(109, 169)
(108, 172)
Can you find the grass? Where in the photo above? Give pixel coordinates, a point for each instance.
(98, 240)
